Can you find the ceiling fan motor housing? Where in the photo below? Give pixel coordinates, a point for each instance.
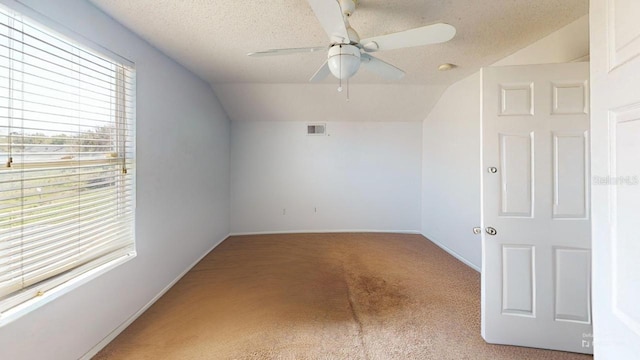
(344, 60)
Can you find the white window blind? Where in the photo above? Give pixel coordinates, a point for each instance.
(67, 148)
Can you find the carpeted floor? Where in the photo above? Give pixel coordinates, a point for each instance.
(320, 296)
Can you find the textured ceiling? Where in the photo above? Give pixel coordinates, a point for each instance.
(212, 38)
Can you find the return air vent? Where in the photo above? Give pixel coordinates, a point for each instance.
(316, 129)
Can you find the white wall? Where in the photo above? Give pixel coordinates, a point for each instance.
(322, 102)
(361, 176)
(451, 147)
(182, 195)
(450, 171)
(571, 43)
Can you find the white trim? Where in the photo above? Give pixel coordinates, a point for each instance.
(454, 254)
(104, 342)
(28, 306)
(274, 232)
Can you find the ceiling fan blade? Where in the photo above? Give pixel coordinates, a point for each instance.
(329, 13)
(273, 52)
(322, 73)
(380, 67)
(426, 35)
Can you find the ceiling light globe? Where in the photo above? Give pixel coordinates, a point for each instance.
(344, 61)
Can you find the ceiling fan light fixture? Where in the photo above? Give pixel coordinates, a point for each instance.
(344, 61)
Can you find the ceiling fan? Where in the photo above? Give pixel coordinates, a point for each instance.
(346, 51)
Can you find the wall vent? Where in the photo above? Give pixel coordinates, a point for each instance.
(316, 129)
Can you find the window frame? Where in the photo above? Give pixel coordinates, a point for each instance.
(24, 301)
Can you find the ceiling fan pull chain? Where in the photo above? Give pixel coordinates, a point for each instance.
(340, 69)
(347, 89)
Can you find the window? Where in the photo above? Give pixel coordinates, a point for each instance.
(67, 172)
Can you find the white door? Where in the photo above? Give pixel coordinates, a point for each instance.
(536, 268)
(615, 120)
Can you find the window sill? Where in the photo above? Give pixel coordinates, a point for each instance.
(18, 311)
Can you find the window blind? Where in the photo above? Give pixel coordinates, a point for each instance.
(67, 143)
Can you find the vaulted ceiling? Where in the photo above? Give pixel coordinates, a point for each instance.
(212, 38)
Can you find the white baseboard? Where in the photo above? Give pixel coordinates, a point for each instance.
(454, 254)
(104, 342)
(415, 232)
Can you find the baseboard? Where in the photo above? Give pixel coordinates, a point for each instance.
(454, 254)
(99, 346)
(415, 232)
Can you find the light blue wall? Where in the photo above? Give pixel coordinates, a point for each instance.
(182, 193)
(361, 176)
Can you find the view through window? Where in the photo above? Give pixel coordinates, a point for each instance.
(67, 148)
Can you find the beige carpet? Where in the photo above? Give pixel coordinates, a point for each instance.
(320, 296)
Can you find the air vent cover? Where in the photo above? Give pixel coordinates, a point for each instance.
(316, 129)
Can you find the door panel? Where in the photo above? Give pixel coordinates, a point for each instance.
(518, 286)
(625, 138)
(570, 98)
(622, 27)
(570, 170)
(536, 269)
(516, 99)
(515, 180)
(615, 149)
(572, 268)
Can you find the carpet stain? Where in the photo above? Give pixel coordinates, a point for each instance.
(377, 296)
(354, 313)
(320, 296)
